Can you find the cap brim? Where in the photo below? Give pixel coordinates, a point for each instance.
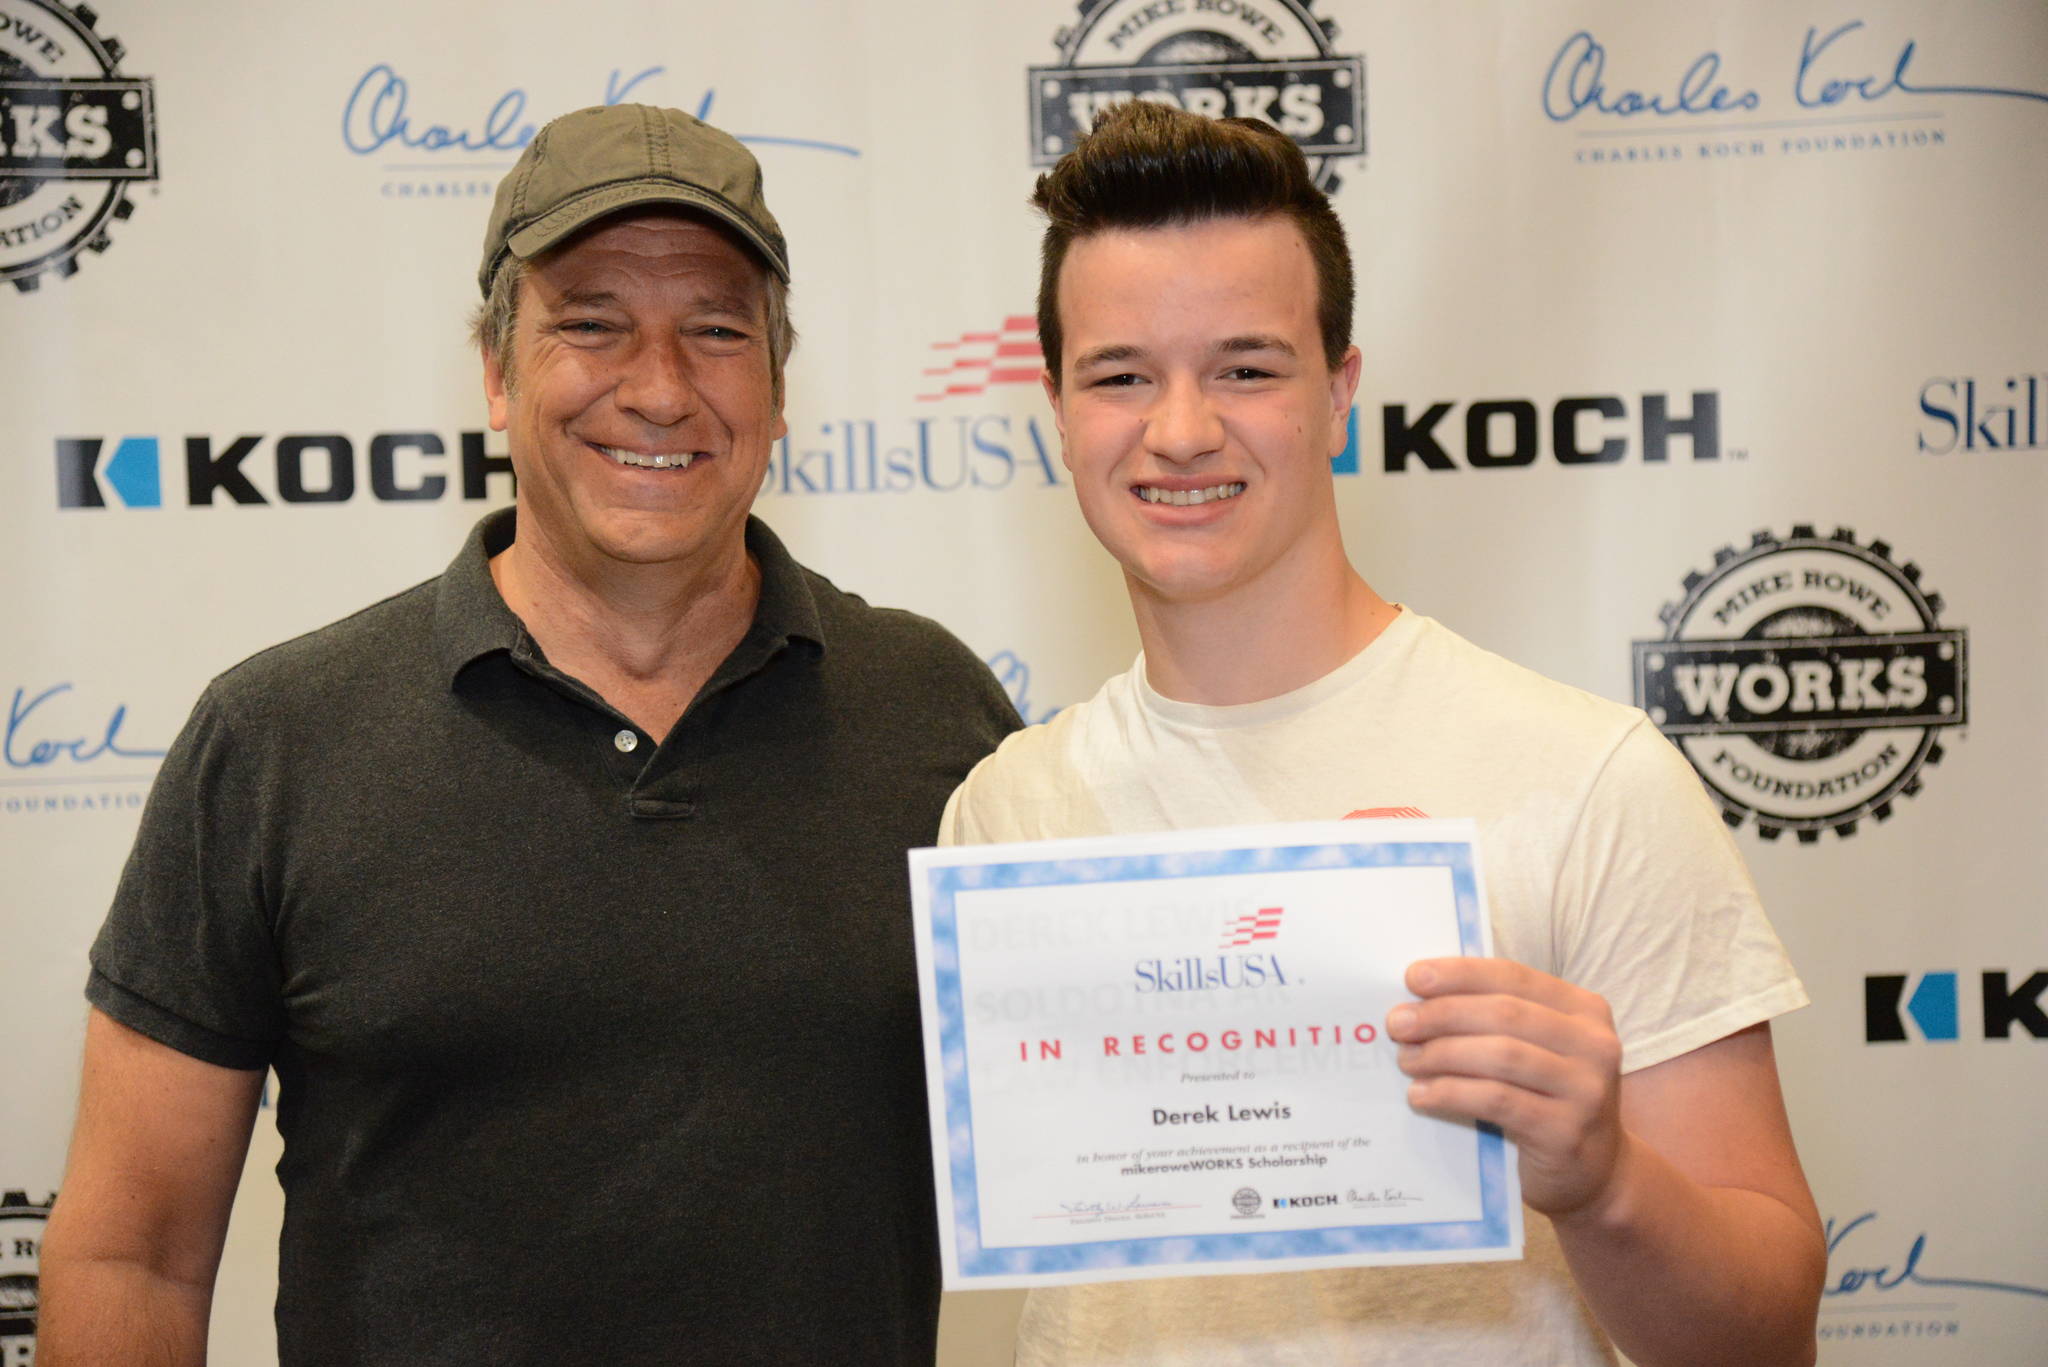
(568, 218)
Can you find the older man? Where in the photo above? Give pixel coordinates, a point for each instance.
(564, 892)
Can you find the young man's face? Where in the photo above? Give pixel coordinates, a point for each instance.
(1198, 411)
(642, 409)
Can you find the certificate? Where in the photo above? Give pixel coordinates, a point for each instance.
(1165, 1055)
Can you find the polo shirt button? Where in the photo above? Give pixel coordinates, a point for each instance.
(627, 741)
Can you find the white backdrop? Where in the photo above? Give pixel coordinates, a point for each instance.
(1809, 237)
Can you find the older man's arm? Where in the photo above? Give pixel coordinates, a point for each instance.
(128, 1261)
(1675, 1190)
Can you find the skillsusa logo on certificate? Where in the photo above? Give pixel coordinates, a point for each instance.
(1160, 1055)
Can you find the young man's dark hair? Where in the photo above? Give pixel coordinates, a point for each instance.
(1149, 165)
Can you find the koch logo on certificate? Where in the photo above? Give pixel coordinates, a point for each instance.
(1165, 1055)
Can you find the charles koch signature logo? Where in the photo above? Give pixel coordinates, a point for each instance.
(1852, 88)
(1248, 59)
(74, 135)
(1807, 678)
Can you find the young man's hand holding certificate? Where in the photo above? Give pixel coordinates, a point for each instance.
(1167, 1054)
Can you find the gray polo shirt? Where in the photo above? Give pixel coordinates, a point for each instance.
(590, 1047)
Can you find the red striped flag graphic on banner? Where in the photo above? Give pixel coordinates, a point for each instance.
(978, 361)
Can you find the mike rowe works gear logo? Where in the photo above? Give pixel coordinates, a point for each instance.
(73, 136)
(1807, 679)
(1250, 59)
(21, 1242)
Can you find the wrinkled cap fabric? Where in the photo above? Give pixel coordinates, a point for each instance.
(598, 161)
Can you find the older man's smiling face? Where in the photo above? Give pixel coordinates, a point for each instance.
(641, 408)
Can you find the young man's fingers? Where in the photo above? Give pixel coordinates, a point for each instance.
(1432, 978)
(1524, 1116)
(1574, 1036)
(1496, 1058)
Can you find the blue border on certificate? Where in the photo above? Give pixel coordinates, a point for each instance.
(1491, 1230)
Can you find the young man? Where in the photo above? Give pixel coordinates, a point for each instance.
(1195, 309)
(564, 892)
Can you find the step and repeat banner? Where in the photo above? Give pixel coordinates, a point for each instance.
(1706, 367)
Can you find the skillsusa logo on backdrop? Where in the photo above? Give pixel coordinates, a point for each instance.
(74, 135)
(1250, 59)
(1833, 89)
(1964, 415)
(1808, 679)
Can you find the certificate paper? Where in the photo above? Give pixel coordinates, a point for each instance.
(1165, 1055)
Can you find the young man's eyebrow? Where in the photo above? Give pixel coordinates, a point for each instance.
(1108, 354)
(1233, 346)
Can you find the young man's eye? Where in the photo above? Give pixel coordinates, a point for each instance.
(1248, 372)
(1122, 381)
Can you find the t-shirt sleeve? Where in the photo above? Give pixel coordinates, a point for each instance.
(1658, 914)
(959, 824)
(186, 955)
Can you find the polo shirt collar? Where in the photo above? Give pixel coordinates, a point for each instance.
(471, 619)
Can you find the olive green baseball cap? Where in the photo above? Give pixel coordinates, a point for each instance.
(597, 161)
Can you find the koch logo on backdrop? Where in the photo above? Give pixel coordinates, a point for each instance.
(74, 135)
(1898, 1007)
(1807, 679)
(395, 467)
(1249, 59)
(1963, 414)
(1499, 434)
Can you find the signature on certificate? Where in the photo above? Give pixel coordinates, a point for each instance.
(1386, 1197)
(1132, 1205)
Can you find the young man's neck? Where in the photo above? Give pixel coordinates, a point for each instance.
(1262, 640)
(644, 637)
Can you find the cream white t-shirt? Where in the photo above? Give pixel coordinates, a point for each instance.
(1606, 865)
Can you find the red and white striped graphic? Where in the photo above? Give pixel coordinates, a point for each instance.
(1263, 924)
(1378, 813)
(977, 361)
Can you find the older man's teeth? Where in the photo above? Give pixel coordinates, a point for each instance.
(660, 460)
(1184, 498)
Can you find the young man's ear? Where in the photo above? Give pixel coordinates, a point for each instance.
(1059, 417)
(1343, 389)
